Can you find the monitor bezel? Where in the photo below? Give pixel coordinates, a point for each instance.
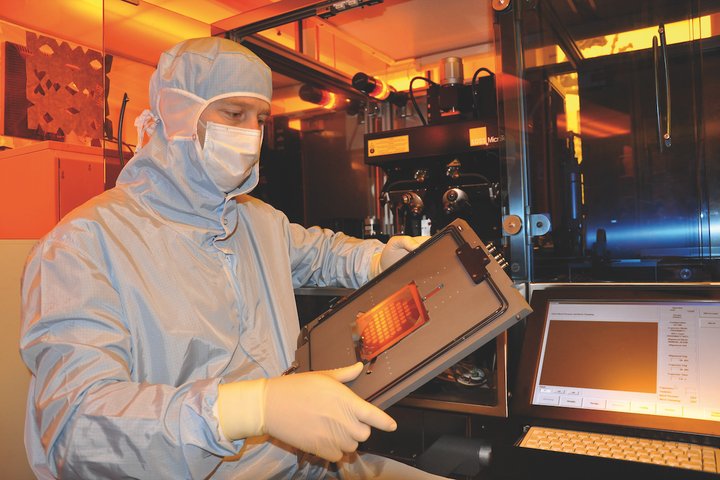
(532, 343)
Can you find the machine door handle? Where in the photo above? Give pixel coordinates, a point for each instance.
(664, 138)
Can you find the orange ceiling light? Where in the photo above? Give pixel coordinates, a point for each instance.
(318, 96)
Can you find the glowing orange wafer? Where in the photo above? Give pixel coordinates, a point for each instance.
(389, 321)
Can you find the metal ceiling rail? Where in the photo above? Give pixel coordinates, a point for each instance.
(298, 66)
(281, 13)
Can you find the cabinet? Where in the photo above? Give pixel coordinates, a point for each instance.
(41, 183)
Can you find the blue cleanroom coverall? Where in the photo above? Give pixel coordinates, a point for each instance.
(141, 301)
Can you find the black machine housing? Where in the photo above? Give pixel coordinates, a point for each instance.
(447, 169)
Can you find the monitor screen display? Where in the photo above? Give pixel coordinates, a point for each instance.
(635, 356)
(642, 357)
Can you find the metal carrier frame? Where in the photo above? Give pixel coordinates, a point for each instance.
(468, 300)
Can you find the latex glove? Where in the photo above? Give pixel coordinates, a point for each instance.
(311, 411)
(396, 248)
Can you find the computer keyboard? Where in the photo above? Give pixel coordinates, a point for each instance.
(659, 452)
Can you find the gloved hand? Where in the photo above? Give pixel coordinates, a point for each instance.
(311, 411)
(396, 248)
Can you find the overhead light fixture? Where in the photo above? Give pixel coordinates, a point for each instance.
(318, 96)
(379, 90)
(329, 100)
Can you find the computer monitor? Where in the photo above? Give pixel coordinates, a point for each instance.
(635, 356)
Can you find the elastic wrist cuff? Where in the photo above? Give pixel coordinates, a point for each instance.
(241, 409)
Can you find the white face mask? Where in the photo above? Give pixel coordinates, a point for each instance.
(230, 154)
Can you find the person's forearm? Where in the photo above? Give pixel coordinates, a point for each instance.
(131, 430)
(339, 260)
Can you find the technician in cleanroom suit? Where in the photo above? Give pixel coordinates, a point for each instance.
(159, 316)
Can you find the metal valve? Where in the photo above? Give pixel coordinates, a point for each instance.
(453, 200)
(413, 202)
